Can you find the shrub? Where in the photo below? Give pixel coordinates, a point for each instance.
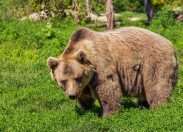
(164, 18)
(128, 5)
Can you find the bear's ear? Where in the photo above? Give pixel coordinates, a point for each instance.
(81, 57)
(52, 62)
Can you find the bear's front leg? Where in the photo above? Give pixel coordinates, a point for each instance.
(85, 101)
(109, 94)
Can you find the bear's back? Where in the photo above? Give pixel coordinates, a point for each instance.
(130, 42)
(127, 43)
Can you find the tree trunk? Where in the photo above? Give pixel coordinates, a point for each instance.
(88, 7)
(75, 8)
(109, 14)
(149, 10)
(42, 3)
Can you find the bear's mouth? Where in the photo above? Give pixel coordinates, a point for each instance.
(72, 97)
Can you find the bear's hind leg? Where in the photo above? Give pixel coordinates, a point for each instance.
(159, 95)
(159, 79)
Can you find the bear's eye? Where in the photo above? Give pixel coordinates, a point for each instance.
(79, 79)
(64, 82)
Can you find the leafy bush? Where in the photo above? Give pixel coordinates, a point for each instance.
(128, 5)
(177, 3)
(158, 2)
(164, 18)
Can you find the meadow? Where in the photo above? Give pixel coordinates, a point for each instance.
(31, 101)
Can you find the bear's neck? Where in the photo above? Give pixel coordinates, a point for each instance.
(94, 81)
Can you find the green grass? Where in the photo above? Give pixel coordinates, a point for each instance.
(31, 101)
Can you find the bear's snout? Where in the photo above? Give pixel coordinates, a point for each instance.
(72, 89)
(72, 94)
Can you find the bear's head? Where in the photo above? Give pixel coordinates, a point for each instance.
(72, 73)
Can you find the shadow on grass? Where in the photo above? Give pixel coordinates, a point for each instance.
(125, 104)
(128, 103)
(96, 110)
(131, 103)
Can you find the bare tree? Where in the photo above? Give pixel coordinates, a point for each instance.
(109, 14)
(149, 10)
(42, 3)
(88, 7)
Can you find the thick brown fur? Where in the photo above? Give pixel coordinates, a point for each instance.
(130, 61)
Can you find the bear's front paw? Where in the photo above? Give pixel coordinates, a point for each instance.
(108, 109)
(82, 104)
(106, 114)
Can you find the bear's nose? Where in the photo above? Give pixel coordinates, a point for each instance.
(72, 97)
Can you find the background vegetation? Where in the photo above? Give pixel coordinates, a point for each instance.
(31, 101)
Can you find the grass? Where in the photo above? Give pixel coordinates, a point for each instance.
(30, 101)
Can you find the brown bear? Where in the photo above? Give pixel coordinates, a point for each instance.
(127, 62)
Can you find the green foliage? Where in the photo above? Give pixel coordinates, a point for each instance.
(164, 17)
(128, 5)
(125, 17)
(167, 25)
(98, 5)
(19, 8)
(177, 3)
(158, 2)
